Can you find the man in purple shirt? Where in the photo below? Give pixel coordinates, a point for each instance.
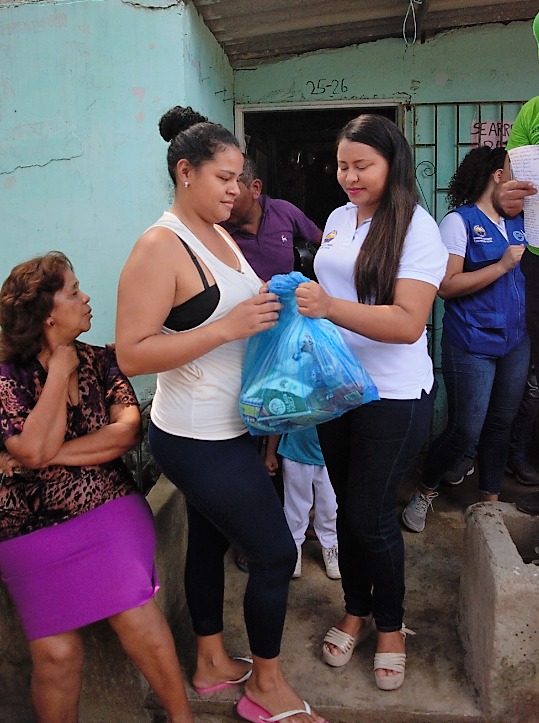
(265, 228)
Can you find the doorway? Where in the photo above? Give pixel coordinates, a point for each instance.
(295, 153)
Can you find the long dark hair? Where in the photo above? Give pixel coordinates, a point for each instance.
(473, 175)
(378, 261)
(26, 300)
(192, 137)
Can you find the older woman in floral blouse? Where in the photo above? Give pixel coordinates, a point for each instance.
(76, 538)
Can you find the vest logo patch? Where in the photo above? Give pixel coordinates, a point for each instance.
(479, 230)
(519, 236)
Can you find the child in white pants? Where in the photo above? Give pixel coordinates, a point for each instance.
(306, 480)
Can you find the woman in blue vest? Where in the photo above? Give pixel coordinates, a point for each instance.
(485, 346)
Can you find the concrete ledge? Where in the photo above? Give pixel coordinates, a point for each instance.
(113, 690)
(499, 610)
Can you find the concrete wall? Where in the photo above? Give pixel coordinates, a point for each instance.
(499, 612)
(82, 165)
(491, 62)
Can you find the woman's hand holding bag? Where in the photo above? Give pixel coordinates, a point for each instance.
(301, 372)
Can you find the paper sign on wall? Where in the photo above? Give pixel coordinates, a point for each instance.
(489, 133)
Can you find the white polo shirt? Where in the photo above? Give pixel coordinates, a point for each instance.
(400, 371)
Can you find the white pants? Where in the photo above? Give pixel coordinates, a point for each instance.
(305, 484)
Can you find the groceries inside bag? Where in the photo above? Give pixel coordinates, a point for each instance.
(301, 372)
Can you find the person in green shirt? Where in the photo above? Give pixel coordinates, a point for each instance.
(510, 198)
(525, 130)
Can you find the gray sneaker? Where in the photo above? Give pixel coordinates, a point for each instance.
(415, 513)
(456, 478)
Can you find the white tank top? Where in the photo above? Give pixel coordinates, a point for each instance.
(200, 399)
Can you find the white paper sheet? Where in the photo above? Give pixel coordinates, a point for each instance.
(525, 167)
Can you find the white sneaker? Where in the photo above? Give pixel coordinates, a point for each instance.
(297, 569)
(331, 561)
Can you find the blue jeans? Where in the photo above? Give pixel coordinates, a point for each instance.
(230, 498)
(483, 397)
(368, 452)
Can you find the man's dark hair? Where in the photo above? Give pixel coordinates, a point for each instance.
(250, 171)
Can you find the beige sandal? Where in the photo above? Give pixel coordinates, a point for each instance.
(391, 661)
(346, 643)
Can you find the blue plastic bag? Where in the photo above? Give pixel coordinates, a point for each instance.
(301, 372)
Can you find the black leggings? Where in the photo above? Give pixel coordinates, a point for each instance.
(230, 499)
(368, 452)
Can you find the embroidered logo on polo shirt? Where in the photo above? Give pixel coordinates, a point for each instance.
(328, 238)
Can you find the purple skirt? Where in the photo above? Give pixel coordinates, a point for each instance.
(88, 568)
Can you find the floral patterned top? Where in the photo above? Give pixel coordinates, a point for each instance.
(50, 495)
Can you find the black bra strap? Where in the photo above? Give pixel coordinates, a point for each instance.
(196, 263)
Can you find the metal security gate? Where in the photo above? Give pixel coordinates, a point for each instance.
(441, 134)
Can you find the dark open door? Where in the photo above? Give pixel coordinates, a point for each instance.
(295, 154)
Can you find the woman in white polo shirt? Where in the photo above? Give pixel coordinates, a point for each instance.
(379, 266)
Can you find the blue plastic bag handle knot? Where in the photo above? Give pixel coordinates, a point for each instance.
(285, 284)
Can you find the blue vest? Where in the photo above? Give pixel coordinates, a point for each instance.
(490, 321)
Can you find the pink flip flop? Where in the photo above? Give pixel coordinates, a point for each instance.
(251, 711)
(211, 689)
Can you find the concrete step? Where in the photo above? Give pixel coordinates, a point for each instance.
(436, 688)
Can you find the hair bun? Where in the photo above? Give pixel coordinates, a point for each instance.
(178, 119)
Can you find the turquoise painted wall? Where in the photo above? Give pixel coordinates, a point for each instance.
(492, 62)
(82, 165)
(84, 83)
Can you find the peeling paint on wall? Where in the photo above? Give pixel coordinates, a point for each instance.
(55, 20)
(139, 93)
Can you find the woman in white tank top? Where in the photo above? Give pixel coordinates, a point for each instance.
(188, 301)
